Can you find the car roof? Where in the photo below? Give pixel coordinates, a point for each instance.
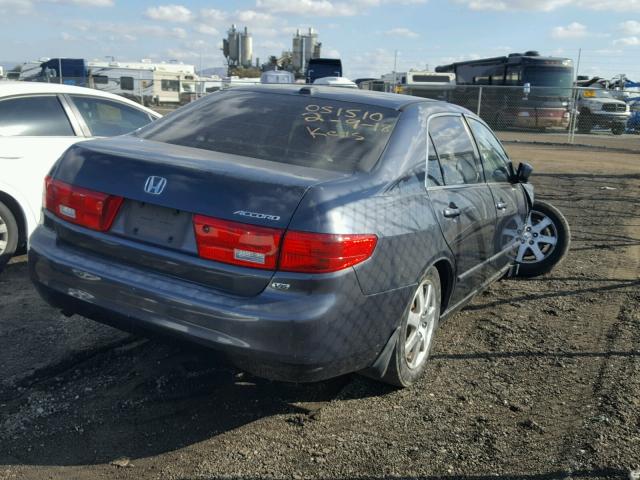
(10, 88)
(394, 101)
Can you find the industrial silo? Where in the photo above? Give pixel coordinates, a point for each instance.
(233, 47)
(246, 49)
(305, 47)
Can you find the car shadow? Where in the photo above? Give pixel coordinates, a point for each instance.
(140, 398)
(618, 285)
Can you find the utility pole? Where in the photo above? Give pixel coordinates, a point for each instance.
(60, 69)
(395, 68)
(574, 102)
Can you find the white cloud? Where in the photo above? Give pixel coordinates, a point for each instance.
(628, 41)
(322, 8)
(249, 16)
(21, 7)
(331, 53)
(86, 3)
(500, 5)
(179, 54)
(273, 45)
(128, 32)
(401, 32)
(194, 52)
(169, 13)
(327, 8)
(212, 15)
(608, 51)
(178, 32)
(368, 63)
(12, 7)
(207, 29)
(630, 27)
(458, 58)
(264, 32)
(549, 5)
(573, 30)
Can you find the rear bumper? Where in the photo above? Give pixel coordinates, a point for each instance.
(283, 335)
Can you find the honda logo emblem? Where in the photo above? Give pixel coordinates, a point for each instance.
(155, 185)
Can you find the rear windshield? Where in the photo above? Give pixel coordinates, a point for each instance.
(290, 129)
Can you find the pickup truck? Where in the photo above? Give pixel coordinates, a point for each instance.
(598, 108)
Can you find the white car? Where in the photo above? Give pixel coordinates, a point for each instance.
(38, 122)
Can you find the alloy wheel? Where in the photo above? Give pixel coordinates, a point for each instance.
(421, 322)
(535, 239)
(4, 236)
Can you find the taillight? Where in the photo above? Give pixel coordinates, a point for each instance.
(261, 247)
(237, 243)
(322, 252)
(94, 210)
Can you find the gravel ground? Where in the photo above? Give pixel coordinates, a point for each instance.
(536, 379)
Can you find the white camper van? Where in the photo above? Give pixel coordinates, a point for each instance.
(421, 83)
(145, 82)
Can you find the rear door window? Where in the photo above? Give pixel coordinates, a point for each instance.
(456, 152)
(38, 116)
(106, 118)
(290, 129)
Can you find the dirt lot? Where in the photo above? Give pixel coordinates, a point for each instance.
(536, 380)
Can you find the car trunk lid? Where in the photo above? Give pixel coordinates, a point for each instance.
(164, 186)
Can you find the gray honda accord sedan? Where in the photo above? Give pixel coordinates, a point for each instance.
(307, 232)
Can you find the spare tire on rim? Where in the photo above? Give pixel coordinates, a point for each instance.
(544, 240)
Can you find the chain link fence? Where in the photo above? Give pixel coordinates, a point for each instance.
(561, 114)
(544, 114)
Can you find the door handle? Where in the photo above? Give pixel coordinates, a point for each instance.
(3, 157)
(501, 205)
(452, 211)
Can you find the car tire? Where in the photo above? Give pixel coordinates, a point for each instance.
(8, 235)
(585, 122)
(418, 326)
(618, 129)
(536, 254)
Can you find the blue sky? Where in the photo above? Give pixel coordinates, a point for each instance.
(364, 33)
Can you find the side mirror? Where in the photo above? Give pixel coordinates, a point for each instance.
(524, 172)
(526, 88)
